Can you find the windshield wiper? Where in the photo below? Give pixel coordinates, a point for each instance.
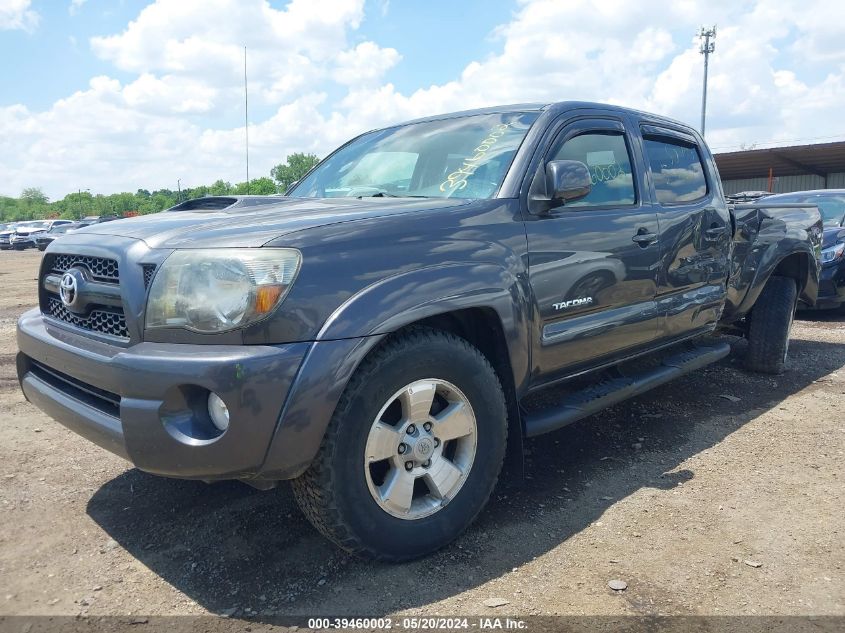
(387, 194)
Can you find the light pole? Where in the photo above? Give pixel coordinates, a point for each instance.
(79, 192)
(706, 48)
(179, 187)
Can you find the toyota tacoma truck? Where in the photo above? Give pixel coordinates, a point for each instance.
(377, 334)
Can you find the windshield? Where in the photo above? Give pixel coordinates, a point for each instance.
(832, 207)
(465, 157)
(61, 228)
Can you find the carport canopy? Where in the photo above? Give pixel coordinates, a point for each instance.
(820, 159)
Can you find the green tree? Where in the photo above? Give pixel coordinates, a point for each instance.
(263, 186)
(78, 204)
(219, 188)
(257, 187)
(195, 192)
(34, 204)
(34, 196)
(295, 167)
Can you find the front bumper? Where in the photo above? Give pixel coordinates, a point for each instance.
(831, 287)
(22, 241)
(147, 402)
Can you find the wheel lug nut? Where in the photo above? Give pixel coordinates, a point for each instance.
(402, 449)
(427, 426)
(411, 430)
(409, 465)
(427, 463)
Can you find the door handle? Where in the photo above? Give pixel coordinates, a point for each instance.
(714, 232)
(644, 238)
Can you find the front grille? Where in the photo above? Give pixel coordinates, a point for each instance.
(101, 268)
(103, 321)
(105, 401)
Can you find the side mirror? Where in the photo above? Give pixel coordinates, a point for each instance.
(567, 180)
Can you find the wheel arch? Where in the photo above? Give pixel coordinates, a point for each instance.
(483, 305)
(800, 266)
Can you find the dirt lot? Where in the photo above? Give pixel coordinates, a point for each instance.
(721, 493)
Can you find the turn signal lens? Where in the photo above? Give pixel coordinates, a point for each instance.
(266, 298)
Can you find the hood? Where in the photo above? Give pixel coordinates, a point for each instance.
(30, 231)
(251, 222)
(832, 235)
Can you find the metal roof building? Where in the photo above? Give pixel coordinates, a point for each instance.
(784, 169)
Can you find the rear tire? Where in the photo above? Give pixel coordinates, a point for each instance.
(341, 492)
(771, 321)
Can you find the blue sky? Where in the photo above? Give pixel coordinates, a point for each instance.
(116, 95)
(55, 59)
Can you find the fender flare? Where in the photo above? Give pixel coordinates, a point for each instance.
(362, 322)
(771, 259)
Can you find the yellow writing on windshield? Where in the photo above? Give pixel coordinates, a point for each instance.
(458, 178)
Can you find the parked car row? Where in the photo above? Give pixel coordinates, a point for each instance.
(39, 233)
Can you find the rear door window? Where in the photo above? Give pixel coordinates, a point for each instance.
(676, 169)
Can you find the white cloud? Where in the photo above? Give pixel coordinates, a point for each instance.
(16, 15)
(778, 73)
(169, 94)
(76, 5)
(366, 63)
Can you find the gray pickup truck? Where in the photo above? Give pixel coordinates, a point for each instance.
(375, 334)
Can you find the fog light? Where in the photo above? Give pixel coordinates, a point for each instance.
(218, 411)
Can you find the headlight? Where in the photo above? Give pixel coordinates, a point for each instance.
(221, 289)
(832, 253)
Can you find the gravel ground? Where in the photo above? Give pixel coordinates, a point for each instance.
(720, 493)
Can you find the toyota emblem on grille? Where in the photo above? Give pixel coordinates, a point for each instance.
(68, 289)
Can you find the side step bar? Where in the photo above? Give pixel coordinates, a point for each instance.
(609, 392)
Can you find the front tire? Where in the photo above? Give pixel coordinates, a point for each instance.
(413, 450)
(771, 321)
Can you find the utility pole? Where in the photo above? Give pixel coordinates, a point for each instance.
(706, 48)
(179, 187)
(79, 198)
(246, 123)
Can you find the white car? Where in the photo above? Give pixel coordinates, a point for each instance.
(25, 232)
(6, 234)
